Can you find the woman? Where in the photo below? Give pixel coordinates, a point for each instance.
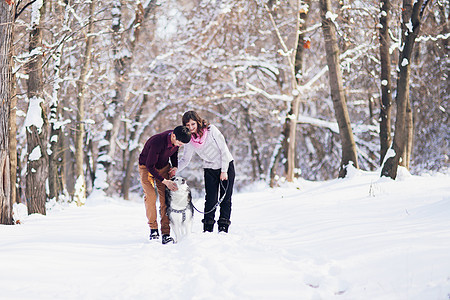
(208, 142)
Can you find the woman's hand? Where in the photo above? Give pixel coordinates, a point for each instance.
(223, 176)
(172, 172)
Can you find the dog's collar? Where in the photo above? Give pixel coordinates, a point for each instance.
(178, 211)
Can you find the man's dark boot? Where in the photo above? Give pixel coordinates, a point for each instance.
(167, 239)
(208, 225)
(154, 234)
(223, 225)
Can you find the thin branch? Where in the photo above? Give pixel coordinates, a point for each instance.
(280, 38)
(23, 8)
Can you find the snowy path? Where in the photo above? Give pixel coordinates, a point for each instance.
(329, 240)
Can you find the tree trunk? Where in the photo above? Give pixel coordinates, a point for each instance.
(80, 185)
(411, 15)
(386, 95)
(112, 121)
(7, 12)
(56, 119)
(13, 142)
(337, 90)
(292, 138)
(287, 146)
(276, 156)
(256, 161)
(406, 158)
(69, 165)
(56, 136)
(133, 149)
(293, 114)
(37, 166)
(302, 44)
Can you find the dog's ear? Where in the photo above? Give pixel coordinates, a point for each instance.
(173, 178)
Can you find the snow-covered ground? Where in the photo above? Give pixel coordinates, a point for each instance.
(356, 238)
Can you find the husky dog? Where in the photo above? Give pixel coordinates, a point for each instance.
(179, 208)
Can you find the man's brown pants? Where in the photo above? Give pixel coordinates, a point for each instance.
(150, 198)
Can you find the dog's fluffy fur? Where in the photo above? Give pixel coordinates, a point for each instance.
(180, 209)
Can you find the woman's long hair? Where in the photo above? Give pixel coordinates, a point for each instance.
(201, 123)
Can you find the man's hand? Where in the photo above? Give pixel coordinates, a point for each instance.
(172, 172)
(170, 185)
(223, 176)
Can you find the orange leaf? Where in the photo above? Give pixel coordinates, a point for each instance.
(307, 44)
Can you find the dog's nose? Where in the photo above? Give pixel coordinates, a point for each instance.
(183, 181)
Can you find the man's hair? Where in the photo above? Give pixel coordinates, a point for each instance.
(182, 134)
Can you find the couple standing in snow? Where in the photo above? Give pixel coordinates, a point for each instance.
(198, 136)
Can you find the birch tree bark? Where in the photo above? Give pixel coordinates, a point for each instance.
(411, 20)
(7, 12)
(36, 120)
(337, 90)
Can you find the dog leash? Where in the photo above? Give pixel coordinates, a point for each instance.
(218, 202)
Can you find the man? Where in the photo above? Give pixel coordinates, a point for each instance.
(155, 171)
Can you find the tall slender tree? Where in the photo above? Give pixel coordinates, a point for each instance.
(80, 185)
(294, 63)
(7, 13)
(337, 88)
(412, 13)
(36, 121)
(56, 157)
(386, 90)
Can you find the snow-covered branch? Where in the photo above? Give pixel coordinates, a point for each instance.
(286, 98)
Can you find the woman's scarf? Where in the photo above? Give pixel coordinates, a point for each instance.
(198, 141)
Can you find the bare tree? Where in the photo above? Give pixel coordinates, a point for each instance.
(80, 185)
(256, 155)
(7, 12)
(411, 20)
(124, 47)
(337, 90)
(36, 123)
(294, 61)
(386, 90)
(56, 121)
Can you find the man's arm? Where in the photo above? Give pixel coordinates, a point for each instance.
(152, 159)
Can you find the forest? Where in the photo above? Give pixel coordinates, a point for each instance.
(299, 88)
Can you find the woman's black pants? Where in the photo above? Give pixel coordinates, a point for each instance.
(212, 187)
